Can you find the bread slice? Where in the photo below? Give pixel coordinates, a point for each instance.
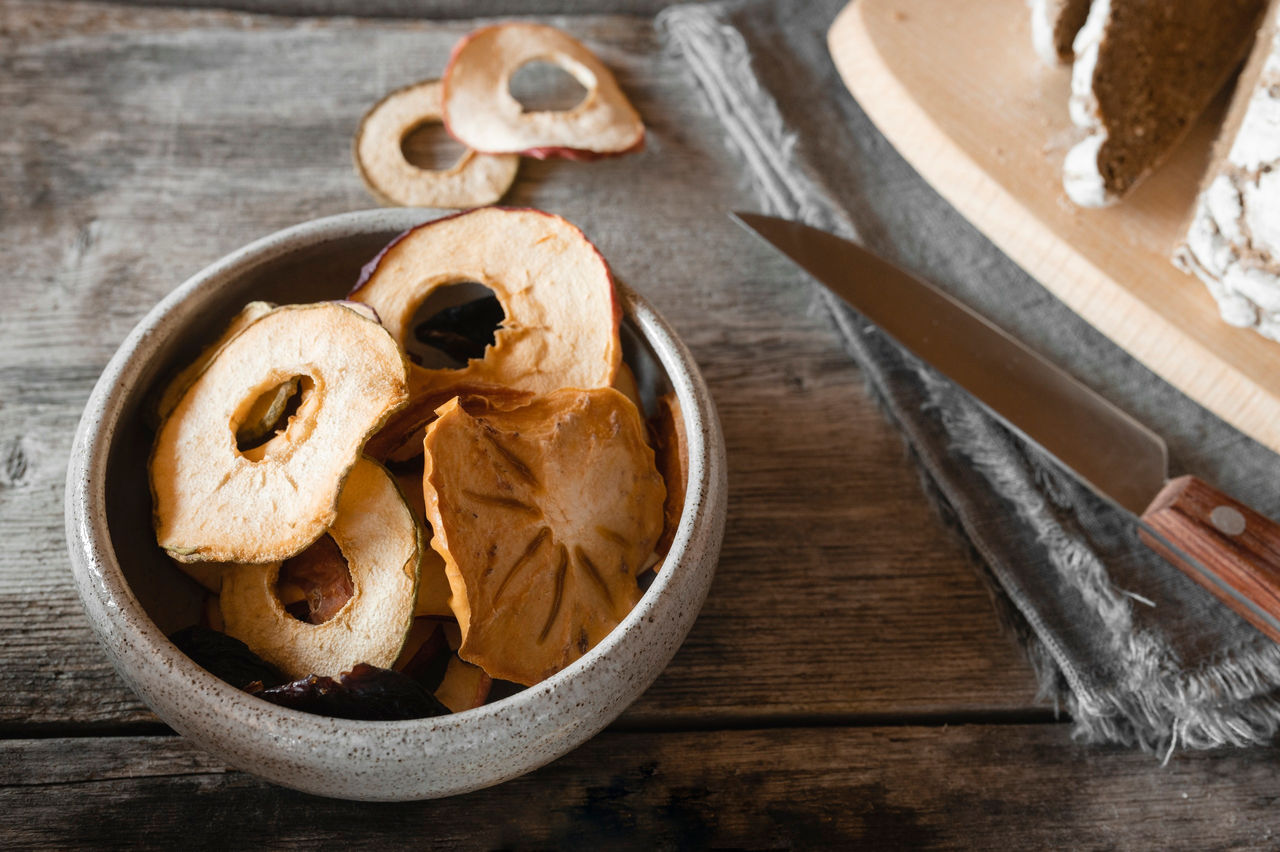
(1054, 24)
(1233, 241)
(1144, 71)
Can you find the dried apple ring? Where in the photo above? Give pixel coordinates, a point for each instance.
(214, 503)
(178, 385)
(481, 113)
(544, 515)
(379, 539)
(555, 289)
(474, 181)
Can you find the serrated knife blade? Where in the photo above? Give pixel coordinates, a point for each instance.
(1227, 547)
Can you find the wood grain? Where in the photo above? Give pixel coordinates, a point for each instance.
(143, 144)
(1240, 547)
(986, 124)
(878, 788)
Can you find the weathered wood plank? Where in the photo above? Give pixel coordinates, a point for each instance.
(142, 144)
(436, 9)
(1027, 787)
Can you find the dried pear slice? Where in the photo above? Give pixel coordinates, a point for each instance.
(214, 503)
(544, 515)
(378, 537)
(474, 181)
(556, 291)
(480, 111)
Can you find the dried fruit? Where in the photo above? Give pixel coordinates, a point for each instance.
(463, 686)
(321, 576)
(178, 385)
(556, 292)
(544, 515)
(365, 692)
(380, 541)
(474, 181)
(399, 442)
(671, 450)
(426, 653)
(225, 657)
(433, 585)
(214, 502)
(463, 331)
(481, 113)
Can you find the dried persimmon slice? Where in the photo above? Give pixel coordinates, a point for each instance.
(555, 289)
(671, 449)
(377, 536)
(544, 515)
(480, 111)
(213, 502)
(473, 181)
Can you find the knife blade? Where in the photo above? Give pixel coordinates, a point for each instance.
(1227, 547)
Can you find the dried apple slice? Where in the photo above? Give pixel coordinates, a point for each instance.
(671, 449)
(480, 111)
(544, 515)
(556, 291)
(178, 385)
(433, 583)
(214, 503)
(376, 534)
(474, 181)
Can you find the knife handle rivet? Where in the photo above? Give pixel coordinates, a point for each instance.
(1227, 520)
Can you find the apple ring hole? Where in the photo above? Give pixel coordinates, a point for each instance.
(453, 325)
(271, 434)
(427, 146)
(542, 86)
(316, 584)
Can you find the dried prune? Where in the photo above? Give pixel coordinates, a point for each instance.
(226, 657)
(463, 331)
(365, 692)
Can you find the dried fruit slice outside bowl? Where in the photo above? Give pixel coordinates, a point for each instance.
(544, 515)
(474, 181)
(377, 535)
(481, 113)
(555, 289)
(133, 597)
(215, 503)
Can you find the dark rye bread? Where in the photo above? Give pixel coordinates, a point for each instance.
(1054, 24)
(1144, 71)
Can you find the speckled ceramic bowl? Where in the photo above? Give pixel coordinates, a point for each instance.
(134, 597)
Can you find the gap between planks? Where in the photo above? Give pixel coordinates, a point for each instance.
(676, 723)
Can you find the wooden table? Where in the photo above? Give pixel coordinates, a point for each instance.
(847, 681)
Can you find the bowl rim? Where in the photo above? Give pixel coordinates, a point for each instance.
(139, 649)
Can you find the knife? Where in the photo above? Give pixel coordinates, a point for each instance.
(1228, 548)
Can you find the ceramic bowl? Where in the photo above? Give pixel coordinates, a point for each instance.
(134, 597)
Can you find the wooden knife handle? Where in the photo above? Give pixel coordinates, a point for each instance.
(1236, 543)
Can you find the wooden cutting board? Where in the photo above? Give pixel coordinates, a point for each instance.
(957, 88)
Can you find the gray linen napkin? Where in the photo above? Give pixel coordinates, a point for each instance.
(1136, 652)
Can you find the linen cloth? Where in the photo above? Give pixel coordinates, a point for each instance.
(1135, 651)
